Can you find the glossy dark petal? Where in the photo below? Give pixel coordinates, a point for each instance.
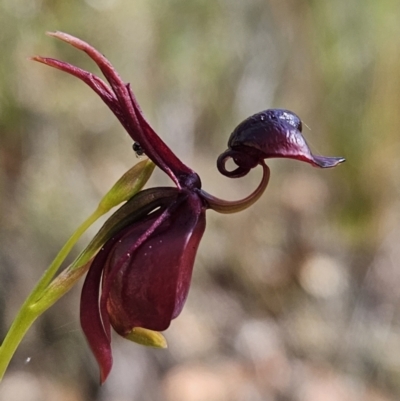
(95, 320)
(273, 133)
(151, 286)
(139, 206)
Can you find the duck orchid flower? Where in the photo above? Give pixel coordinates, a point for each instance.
(139, 280)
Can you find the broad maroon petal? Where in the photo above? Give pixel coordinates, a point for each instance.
(150, 287)
(272, 133)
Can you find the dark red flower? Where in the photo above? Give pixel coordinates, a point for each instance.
(145, 271)
(140, 278)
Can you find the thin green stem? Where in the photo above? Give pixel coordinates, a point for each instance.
(14, 336)
(47, 291)
(27, 314)
(65, 250)
(60, 286)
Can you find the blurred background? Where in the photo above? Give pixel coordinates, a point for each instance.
(295, 299)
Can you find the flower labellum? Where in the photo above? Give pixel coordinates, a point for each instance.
(139, 280)
(270, 133)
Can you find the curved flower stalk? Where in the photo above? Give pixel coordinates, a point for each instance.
(139, 279)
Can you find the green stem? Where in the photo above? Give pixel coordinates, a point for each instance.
(47, 291)
(14, 336)
(27, 314)
(65, 250)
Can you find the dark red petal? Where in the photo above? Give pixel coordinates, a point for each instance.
(123, 104)
(97, 331)
(97, 84)
(274, 133)
(160, 153)
(142, 229)
(152, 285)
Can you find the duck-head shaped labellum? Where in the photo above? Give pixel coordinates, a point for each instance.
(270, 133)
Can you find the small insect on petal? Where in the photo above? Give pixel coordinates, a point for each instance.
(137, 148)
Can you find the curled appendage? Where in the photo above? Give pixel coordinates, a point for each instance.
(244, 162)
(226, 207)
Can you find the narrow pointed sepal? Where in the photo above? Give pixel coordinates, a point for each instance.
(122, 102)
(97, 334)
